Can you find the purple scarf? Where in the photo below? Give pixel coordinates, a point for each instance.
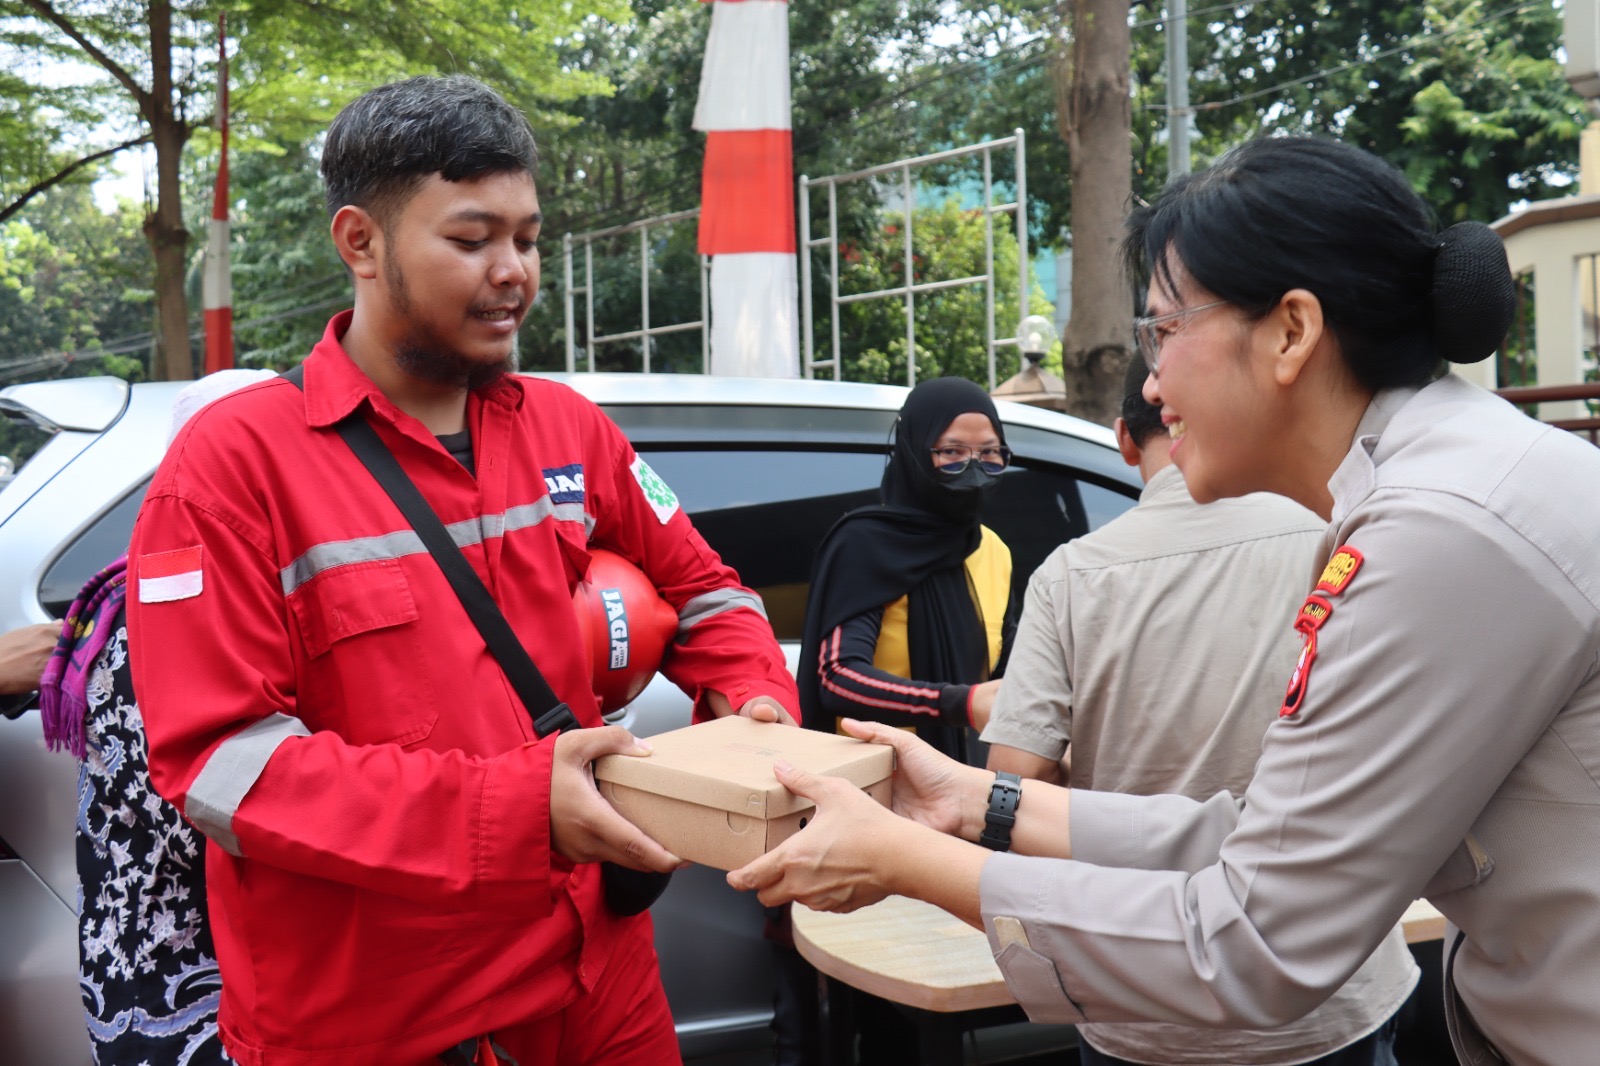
(63, 688)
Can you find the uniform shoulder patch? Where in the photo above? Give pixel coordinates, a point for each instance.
(1340, 569)
(663, 501)
(168, 576)
(1313, 613)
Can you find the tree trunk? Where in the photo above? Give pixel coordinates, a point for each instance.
(1094, 114)
(169, 241)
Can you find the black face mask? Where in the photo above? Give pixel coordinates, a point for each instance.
(960, 496)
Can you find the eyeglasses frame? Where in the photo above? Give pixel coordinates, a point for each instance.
(1149, 341)
(972, 454)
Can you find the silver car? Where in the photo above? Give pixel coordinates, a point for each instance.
(764, 467)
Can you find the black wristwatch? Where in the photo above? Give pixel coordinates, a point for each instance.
(1004, 797)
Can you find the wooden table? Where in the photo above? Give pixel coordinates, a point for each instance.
(914, 954)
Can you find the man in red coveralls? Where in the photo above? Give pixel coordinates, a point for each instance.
(397, 865)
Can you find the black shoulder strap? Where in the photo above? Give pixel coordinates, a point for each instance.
(549, 714)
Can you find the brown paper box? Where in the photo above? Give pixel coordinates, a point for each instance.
(708, 794)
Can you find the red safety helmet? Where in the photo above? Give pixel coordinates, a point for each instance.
(625, 627)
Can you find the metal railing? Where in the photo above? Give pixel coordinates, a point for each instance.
(1523, 395)
(646, 333)
(910, 290)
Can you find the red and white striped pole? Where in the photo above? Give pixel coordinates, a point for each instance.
(216, 281)
(747, 190)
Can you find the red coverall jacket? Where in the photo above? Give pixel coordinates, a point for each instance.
(382, 883)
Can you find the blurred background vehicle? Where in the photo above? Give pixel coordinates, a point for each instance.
(764, 467)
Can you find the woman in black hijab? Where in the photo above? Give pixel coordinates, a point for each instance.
(909, 617)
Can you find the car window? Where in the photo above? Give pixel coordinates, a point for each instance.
(765, 512)
(105, 539)
(19, 441)
(1101, 505)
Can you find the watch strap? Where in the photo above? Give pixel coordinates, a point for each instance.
(1005, 795)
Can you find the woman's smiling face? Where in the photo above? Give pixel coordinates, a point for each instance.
(1214, 390)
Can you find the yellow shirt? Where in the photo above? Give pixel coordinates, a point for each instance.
(989, 579)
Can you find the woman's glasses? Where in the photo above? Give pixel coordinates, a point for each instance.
(1150, 334)
(953, 458)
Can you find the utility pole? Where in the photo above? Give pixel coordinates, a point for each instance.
(1177, 87)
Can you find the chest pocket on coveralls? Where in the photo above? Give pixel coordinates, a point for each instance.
(368, 676)
(572, 539)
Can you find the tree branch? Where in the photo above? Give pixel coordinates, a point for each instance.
(62, 175)
(43, 9)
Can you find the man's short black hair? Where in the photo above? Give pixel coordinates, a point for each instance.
(1143, 418)
(385, 143)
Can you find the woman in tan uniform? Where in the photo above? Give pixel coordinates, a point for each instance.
(1440, 733)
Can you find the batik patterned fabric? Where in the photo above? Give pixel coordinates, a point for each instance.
(147, 968)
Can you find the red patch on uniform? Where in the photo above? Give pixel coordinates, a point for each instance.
(1296, 693)
(1313, 613)
(1340, 569)
(170, 564)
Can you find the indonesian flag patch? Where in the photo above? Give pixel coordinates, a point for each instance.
(168, 576)
(1314, 613)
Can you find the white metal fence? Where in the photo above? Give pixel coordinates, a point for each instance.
(646, 332)
(909, 291)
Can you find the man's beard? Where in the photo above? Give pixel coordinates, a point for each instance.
(423, 354)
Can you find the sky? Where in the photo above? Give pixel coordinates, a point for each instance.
(126, 181)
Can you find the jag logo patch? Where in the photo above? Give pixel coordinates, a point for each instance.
(1340, 569)
(617, 625)
(564, 483)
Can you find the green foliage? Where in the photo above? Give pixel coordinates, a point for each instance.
(70, 289)
(1468, 98)
(287, 278)
(88, 75)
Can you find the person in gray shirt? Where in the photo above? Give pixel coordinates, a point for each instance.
(1157, 646)
(1439, 735)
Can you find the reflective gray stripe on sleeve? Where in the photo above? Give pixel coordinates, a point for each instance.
(707, 604)
(405, 542)
(231, 772)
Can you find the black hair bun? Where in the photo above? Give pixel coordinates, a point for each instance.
(1474, 296)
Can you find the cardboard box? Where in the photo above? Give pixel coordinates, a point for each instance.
(708, 793)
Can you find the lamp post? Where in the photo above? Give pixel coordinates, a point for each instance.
(1033, 384)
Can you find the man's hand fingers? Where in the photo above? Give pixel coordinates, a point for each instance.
(766, 709)
(579, 746)
(620, 841)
